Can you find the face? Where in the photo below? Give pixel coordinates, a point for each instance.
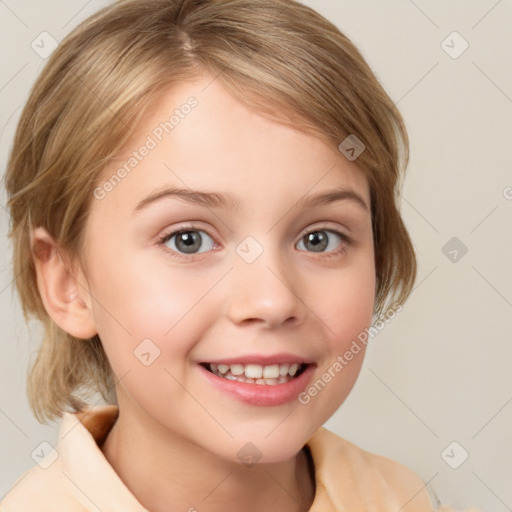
(242, 269)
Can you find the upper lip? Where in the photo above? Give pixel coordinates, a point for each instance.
(262, 359)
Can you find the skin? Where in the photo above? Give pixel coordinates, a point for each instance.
(177, 437)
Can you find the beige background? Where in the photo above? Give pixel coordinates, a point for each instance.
(440, 371)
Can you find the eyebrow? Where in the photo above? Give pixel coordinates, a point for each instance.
(222, 200)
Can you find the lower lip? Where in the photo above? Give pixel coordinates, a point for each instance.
(261, 394)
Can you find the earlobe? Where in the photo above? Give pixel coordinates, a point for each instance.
(65, 295)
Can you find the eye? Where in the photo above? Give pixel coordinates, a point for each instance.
(188, 241)
(323, 240)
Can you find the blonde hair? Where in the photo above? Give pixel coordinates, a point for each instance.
(277, 56)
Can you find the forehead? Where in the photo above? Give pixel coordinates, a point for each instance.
(198, 136)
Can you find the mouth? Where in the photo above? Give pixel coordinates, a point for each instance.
(269, 375)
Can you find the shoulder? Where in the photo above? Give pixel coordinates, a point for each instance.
(58, 482)
(354, 477)
(41, 490)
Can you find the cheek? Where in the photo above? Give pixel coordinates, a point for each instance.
(354, 312)
(136, 301)
(346, 303)
(345, 309)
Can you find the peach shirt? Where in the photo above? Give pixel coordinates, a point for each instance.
(76, 477)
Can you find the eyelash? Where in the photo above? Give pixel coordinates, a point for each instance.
(163, 239)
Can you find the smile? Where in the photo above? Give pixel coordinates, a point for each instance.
(260, 379)
(270, 375)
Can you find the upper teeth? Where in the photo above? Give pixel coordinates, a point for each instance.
(257, 371)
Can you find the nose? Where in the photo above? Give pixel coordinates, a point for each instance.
(266, 291)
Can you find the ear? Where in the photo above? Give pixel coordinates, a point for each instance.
(63, 288)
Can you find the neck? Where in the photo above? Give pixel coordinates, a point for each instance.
(167, 472)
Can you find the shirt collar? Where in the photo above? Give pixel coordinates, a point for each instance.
(83, 462)
(343, 472)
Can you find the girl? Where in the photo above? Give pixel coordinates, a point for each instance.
(204, 217)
